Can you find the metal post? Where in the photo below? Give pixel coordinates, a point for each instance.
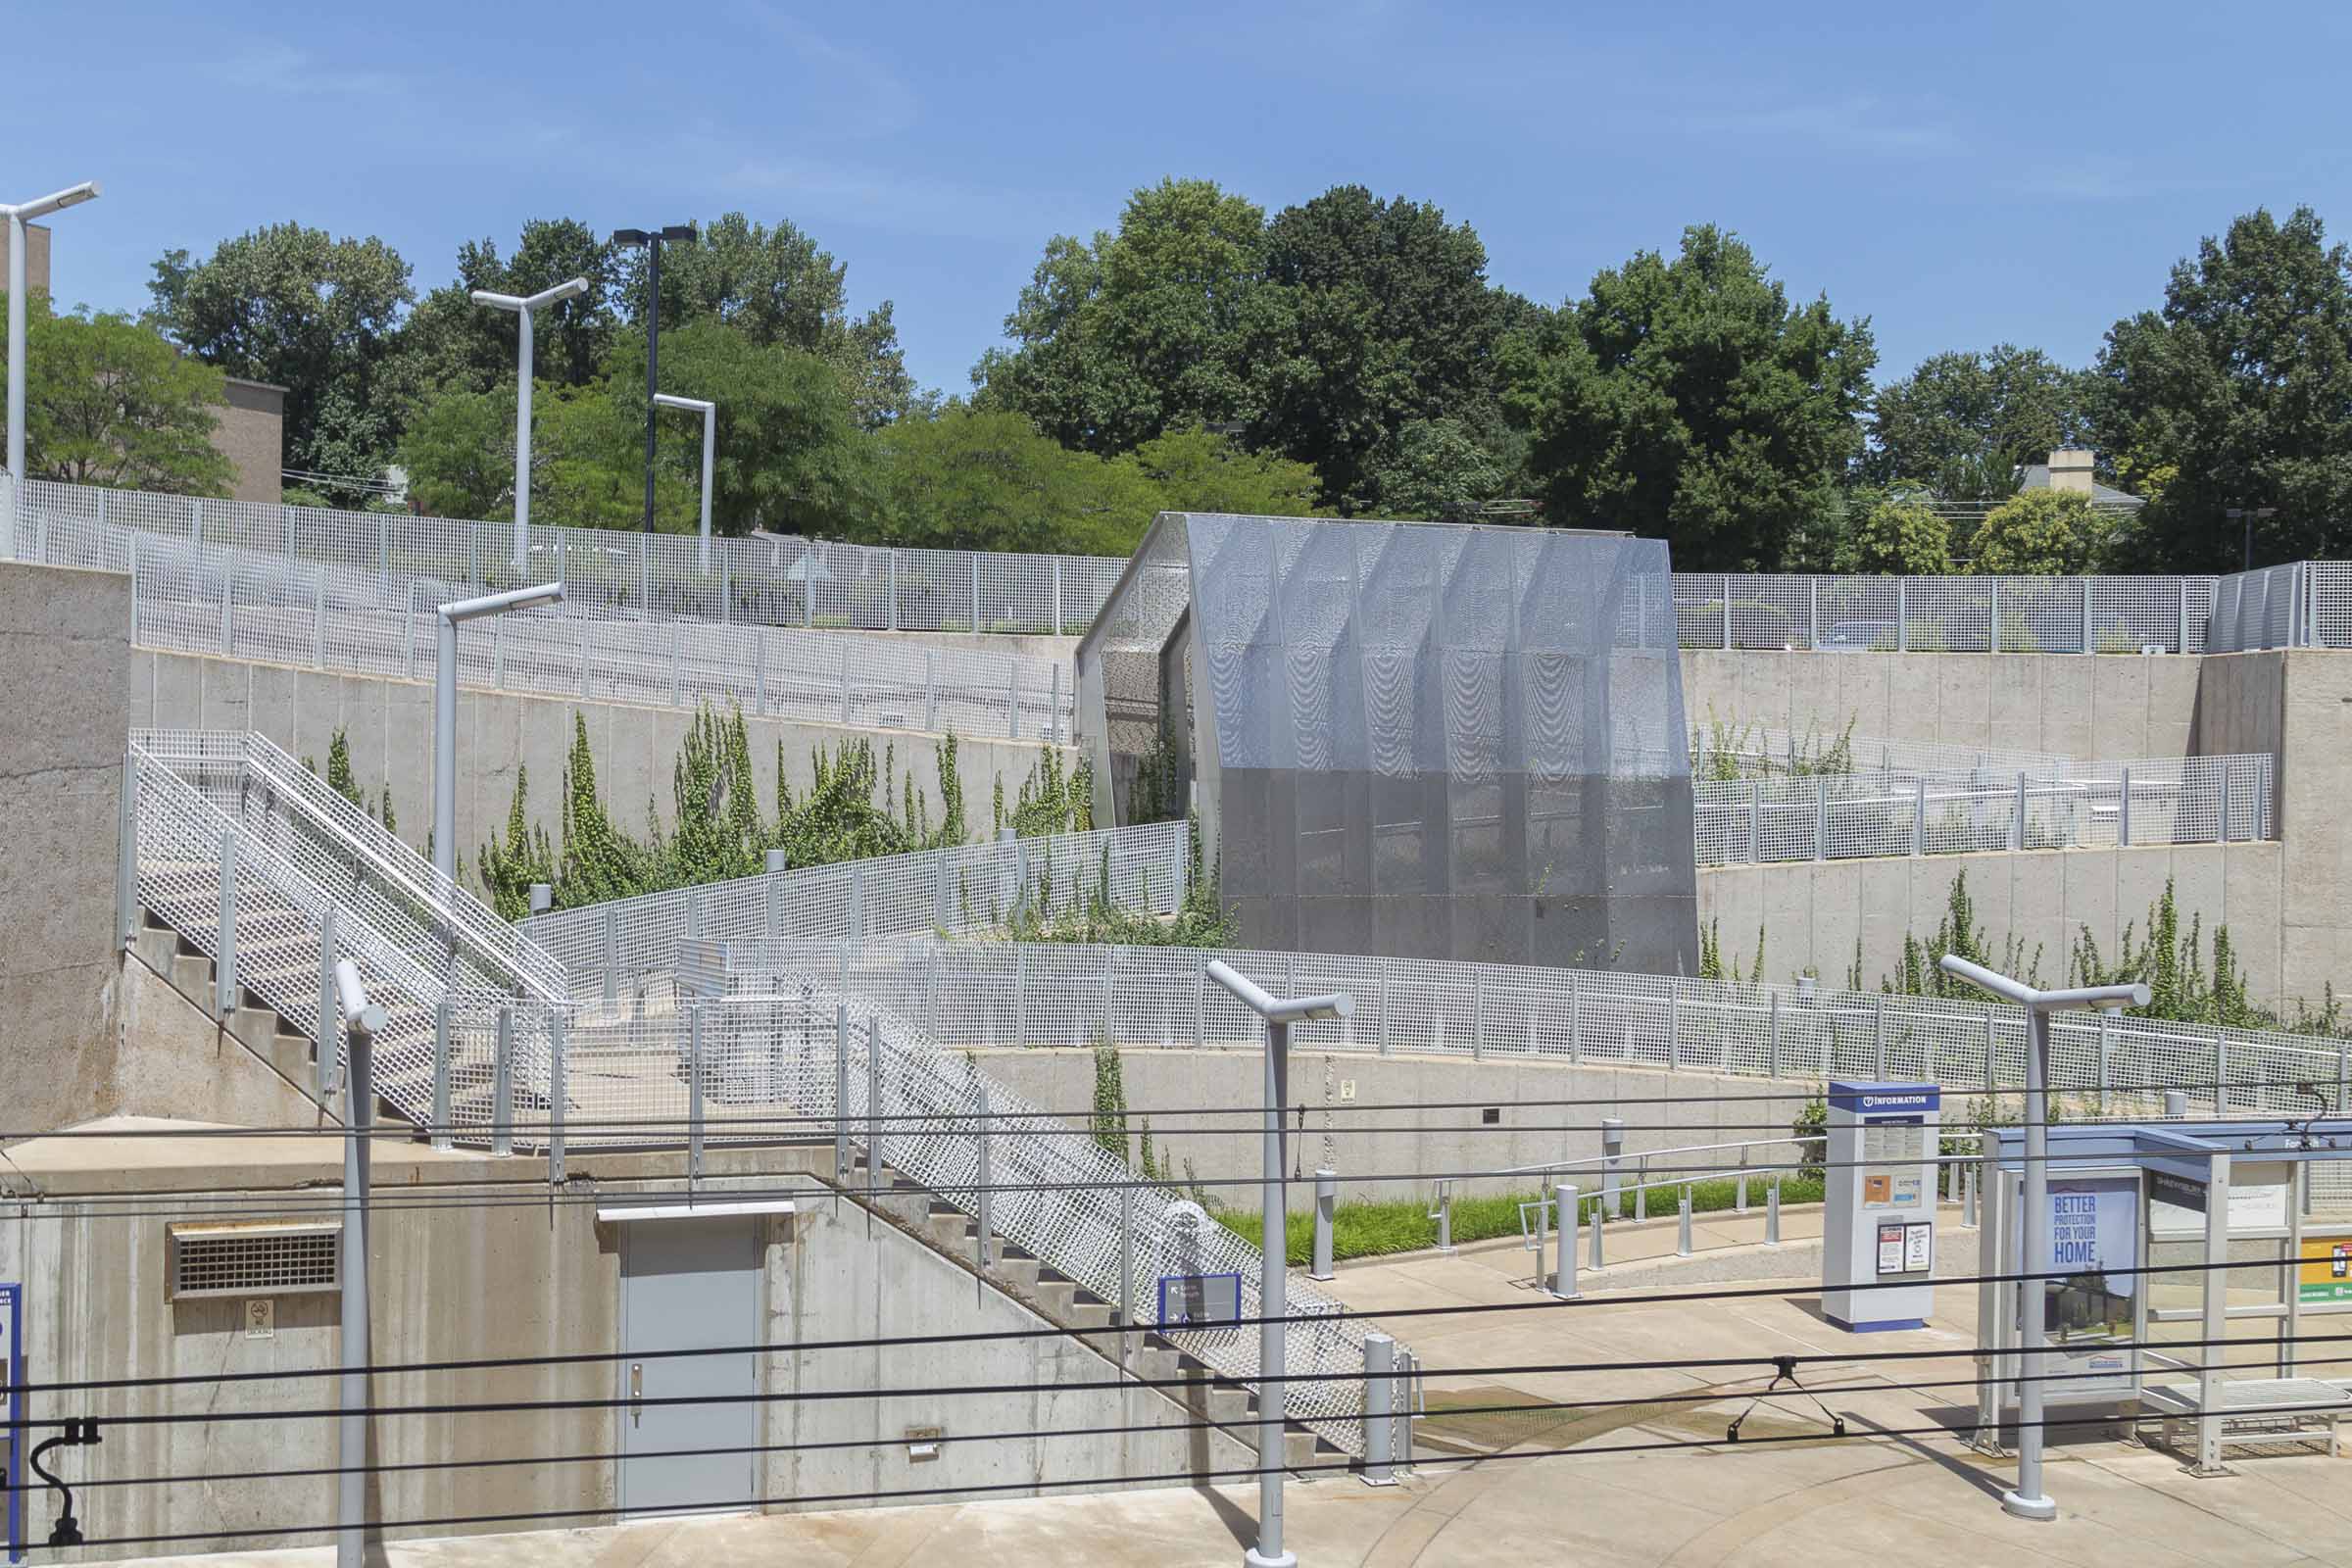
(1380, 1391)
(1755, 788)
(1821, 818)
(1563, 1271)
(2028, 1500)
(1601, 1225)
(583, 661)
(1327, 1197)
(1126, 1275)
(2123, 815)
(1772, 1059)
(1057, 623)
(1674, 1030)
(758, 672)
(1478, 1013)
(351, 1426)
(1919, 816)
(1813, 613)
(931, 690)
(975, 558)
(678, 659)
(841, 1091)
(983, 1203)
(874, 1152)
(323, 1070)
(1994, 610)
(694, 1092)
(228, 607)
(126, 854)
(894, 590)
(807, 585)
(845, 680)
(1681, 1243)
(444, 1027)
(1727, 615)
(1877, 1034)
(1273, 1301)
(2085, 585)
(1012, 701)
(318, 619)
(1968, 1196)
(1903, 617)
(556, 1095)
(225, 957)
(502, 1085)
(1054, 705)
(1772, 1211)
(2017, 827)
(2184, 648)
(2216, 1302)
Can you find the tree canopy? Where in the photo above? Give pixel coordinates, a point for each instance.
(108, 401)
(1688, 400)
(1963, 423)
(2238, 393)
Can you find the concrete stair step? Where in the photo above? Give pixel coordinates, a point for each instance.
(192, 974)
(1018, 1273)
(1056, 1298)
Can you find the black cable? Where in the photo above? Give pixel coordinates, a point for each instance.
(805, 1500)
(1702, 1396)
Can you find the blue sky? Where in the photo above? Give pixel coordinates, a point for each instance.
(1961, 175)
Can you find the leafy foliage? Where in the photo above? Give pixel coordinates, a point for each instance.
(2169, 961)
(1201, 920)
(1920, 973)
(1965, 422)
(108, 401)
(1109, 1124)
(2233, 394)
(1689, 399)
(2042, 533)
(1900, 538)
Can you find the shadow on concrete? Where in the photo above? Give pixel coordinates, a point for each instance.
(1238, 1520)
(1983, 1480)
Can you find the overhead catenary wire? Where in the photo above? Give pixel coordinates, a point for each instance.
(803, 1501)
(1700, 1397)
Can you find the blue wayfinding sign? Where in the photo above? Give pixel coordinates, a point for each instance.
(1885, 1100)
(1200, 1300)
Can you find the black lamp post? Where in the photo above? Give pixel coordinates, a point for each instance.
(2249, 513)
(651, 239)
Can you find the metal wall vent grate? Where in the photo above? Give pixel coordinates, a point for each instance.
(263, 1257)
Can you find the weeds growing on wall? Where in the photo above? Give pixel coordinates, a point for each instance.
(1727, 753)
(1710, 956)
(1920, 973)
(344, 781)
(1201, 920)
(1051, 800)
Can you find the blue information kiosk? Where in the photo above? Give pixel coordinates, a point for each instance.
(1878, 1244)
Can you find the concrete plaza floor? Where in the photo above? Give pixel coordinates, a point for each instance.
(1647, 1483)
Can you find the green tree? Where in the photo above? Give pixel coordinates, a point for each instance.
(448, 340)
(1144, 331)
(108, 401)
(775, 287)
(2235, 393)
(1689, 399)
(1435, 470)
(313, 314)
(587, 458)
(2041, 533)
(1964, 422)
(1387, 322)
(1193, 470)
(987, 479)
(1900, 538)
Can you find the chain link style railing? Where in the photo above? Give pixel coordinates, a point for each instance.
(777, 580)
(1836, 816)
(225, 598)
(630, 947)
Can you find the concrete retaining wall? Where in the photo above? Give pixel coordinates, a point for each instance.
(390, 728)
(487, 1263)
(65, 646)
(2101, 706)
(1814, 911)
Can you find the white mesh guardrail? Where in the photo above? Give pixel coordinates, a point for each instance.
(1833, 816)
(993, 994)
(630, 946)
(788, 581)
(238, 601)
(375, 877)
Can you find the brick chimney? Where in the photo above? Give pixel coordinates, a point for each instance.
(2070, 470)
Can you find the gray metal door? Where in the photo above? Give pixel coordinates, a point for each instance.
(687, 1283)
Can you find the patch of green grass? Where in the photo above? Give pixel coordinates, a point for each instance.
(1377, 1230)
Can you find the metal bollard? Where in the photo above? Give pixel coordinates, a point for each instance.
(984, 1207)
(1600, 1213)
(1444, 1215)
(502, 1086)
(841, 1091)
(1563, 1274)
(1968, 1200)
(1682, 1242)
(1740, 1194)
(2176, 1104)
(1543, 1237)
(1771, 1213)
(1327, 1197)
(1380, 1404)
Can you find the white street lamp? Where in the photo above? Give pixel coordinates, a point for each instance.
(709, 411)
(445, 707)
(362, 1021)
(18, 216)
(2026, 1499)
(1273, 1290)
(526, 306)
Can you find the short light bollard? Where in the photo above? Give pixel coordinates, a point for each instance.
(1967, 1198)
(1563, 1273)
(1740, 1194)
(1380, 1410)
(1327, 1197)
(1444, 1215)
(1771, 1213)
(1600, 1213)
(1682, 1240)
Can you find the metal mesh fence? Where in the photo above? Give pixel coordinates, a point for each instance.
(630, 947)
(1721, 751)
(227, 597)
(778, 580)
(1833, 816)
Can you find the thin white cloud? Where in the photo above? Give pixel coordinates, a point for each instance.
(282, 70)
(1861, 126)
(881, 101)
(911, 204)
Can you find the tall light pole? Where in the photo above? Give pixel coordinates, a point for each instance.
(2249, 514)
(445, 706)
(18, 216)
(709, 413)
(651, 239)
(526, 306)
(1273, 1291)
(362, 1021)
(2026, 1499)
